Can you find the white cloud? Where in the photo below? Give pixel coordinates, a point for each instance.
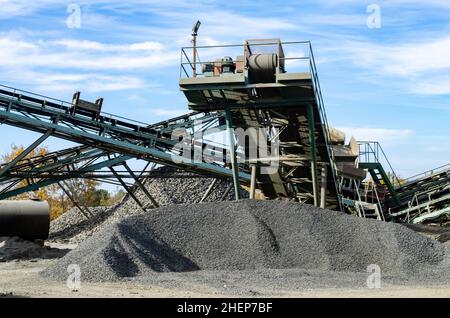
(163, 112)
(15, 8)
(423, 67)
(102, 47)
(84, 55)
(383, 135)
(408, 59)
(68, 83)
(434, 85)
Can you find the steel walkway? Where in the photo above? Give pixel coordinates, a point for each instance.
(425, 193)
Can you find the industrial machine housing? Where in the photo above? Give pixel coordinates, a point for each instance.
(265, 85)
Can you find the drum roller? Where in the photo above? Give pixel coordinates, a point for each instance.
(262, 68)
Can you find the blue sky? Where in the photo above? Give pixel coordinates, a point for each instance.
(390, 84)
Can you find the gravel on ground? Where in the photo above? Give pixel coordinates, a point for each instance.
(253, 236)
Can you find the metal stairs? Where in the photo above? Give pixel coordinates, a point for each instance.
(380, 177)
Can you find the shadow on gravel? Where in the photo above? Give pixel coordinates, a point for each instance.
(17, 249)
(440, 233)
(11, 295)
(148, 251)
(81, 226)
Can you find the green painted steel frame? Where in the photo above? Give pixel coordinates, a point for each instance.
(150, 153)
(47, 182)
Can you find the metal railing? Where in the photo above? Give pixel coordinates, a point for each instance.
(187, 65)
(61, 105)
(426, 174)
(307, 64)
(372, 152)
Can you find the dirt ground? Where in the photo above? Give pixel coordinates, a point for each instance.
(21, 279)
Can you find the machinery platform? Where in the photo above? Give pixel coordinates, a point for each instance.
(267, 87)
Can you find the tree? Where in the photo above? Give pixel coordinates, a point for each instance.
(117, 197)
(84, 191)
(50, 193)
(101, 197)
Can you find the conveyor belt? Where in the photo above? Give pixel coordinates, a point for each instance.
(109, 133)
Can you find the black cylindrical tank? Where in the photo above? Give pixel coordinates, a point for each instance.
(27, 219)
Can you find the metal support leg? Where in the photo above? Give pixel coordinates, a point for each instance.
(234, 165)
(323, 187)
(25, 152)
(210, 189)
(225, 194)
(313, 154)
(127, 189)
(253, 182)
(141, 186)
(87, 214)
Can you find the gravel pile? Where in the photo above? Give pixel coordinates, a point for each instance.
(73, 227)
(248, 235)
(17, 249)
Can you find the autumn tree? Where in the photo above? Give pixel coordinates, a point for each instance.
(84, 191)
(50, 193)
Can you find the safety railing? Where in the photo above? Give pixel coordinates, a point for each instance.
(426, 174)
(291, 57)
(57, 104)
(296, 58)
(372, 152)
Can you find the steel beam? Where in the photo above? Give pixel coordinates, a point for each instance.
(253, 182)
(115, 145)
(141, 186)
(323, 187)
(209, 190)
(312, 141)
(234, 164)
(24, 153)
(225, 194)
(127, 189)
(47, 182)
(69, 195)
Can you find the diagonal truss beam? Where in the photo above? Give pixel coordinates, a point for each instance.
(47, 182)
(127, 189)
(26, 152)
(141, 186)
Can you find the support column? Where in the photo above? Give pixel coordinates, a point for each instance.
(234, 164)
(253, 182)
(227, 190)
(141, 186)
(209, 190)
(312, 141)
(25, 152)
(127, 189)
(69, 195)
(323, 187)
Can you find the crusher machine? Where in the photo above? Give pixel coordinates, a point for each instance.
(266, 95)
